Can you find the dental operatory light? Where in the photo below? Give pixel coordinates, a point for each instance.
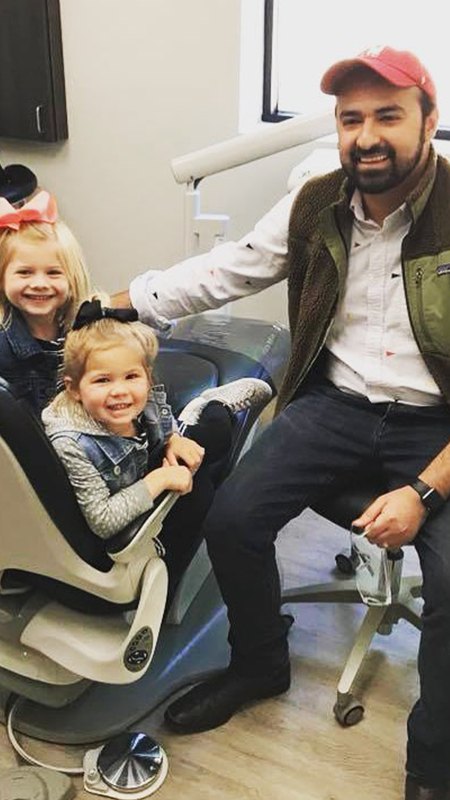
(203, 231)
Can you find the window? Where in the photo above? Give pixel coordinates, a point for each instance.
(302, 40)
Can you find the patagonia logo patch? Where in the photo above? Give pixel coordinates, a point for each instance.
(443, 269)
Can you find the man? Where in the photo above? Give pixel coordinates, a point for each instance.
(366, 250)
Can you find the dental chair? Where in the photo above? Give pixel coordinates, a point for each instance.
(85, 639)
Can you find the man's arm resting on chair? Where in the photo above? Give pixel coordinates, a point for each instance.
(229, 271)
(395, 518)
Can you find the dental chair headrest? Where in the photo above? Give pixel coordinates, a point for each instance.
(17, 182)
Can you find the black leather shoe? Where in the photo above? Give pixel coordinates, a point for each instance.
(415, 791)
(214, 702)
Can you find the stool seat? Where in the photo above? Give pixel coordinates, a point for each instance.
(344, 505)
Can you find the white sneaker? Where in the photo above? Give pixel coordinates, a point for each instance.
(236, 395)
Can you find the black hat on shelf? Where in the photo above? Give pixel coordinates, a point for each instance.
(17, 183)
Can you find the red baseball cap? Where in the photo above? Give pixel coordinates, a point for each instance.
(399, 67)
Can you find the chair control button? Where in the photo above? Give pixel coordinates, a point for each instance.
(139, 650)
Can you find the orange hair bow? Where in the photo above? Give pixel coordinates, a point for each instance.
(41, 208)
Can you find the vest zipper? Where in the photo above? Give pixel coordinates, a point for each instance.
(418, 284)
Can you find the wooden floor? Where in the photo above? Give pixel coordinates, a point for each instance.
(291, 748)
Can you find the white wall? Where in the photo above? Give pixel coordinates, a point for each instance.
(148, 80)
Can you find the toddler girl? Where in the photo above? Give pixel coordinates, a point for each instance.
(118, 441)
(43, 279)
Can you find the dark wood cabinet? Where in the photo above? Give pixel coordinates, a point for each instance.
(32, 91)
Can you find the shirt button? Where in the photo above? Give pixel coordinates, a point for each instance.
(117, 470)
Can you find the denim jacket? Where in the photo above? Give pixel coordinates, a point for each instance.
(121, 461)
(29, 365)
(106, 469)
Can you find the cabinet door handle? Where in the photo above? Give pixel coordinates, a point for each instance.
(39, 125)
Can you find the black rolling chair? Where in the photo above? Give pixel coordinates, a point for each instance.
(341, 508)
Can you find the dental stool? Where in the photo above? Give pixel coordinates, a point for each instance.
(85, 640)
(341, 508)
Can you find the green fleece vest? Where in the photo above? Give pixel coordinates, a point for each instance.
(318, 244)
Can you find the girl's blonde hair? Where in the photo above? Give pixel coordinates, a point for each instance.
(70, 256)
(102, 335)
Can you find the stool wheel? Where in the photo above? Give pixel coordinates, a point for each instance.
(288, 620)
(348, 712)
(345, 562)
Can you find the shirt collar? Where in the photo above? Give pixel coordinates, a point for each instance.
(356, 206)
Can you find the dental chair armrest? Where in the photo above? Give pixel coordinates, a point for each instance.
(139, 535)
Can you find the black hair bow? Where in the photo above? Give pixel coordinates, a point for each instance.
(92, 311)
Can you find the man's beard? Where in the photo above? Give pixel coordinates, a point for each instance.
(382, 180)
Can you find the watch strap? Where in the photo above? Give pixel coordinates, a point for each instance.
(430, 497)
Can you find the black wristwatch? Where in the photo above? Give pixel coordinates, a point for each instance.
(430, 497)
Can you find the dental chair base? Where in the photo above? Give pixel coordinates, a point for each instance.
(185, 653)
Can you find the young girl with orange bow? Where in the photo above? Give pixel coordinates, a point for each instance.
(43, 280)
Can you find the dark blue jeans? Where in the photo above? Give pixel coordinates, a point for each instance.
(320, 442)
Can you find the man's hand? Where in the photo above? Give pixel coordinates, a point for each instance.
(121, 300)
(393, 519)
(186, 450)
